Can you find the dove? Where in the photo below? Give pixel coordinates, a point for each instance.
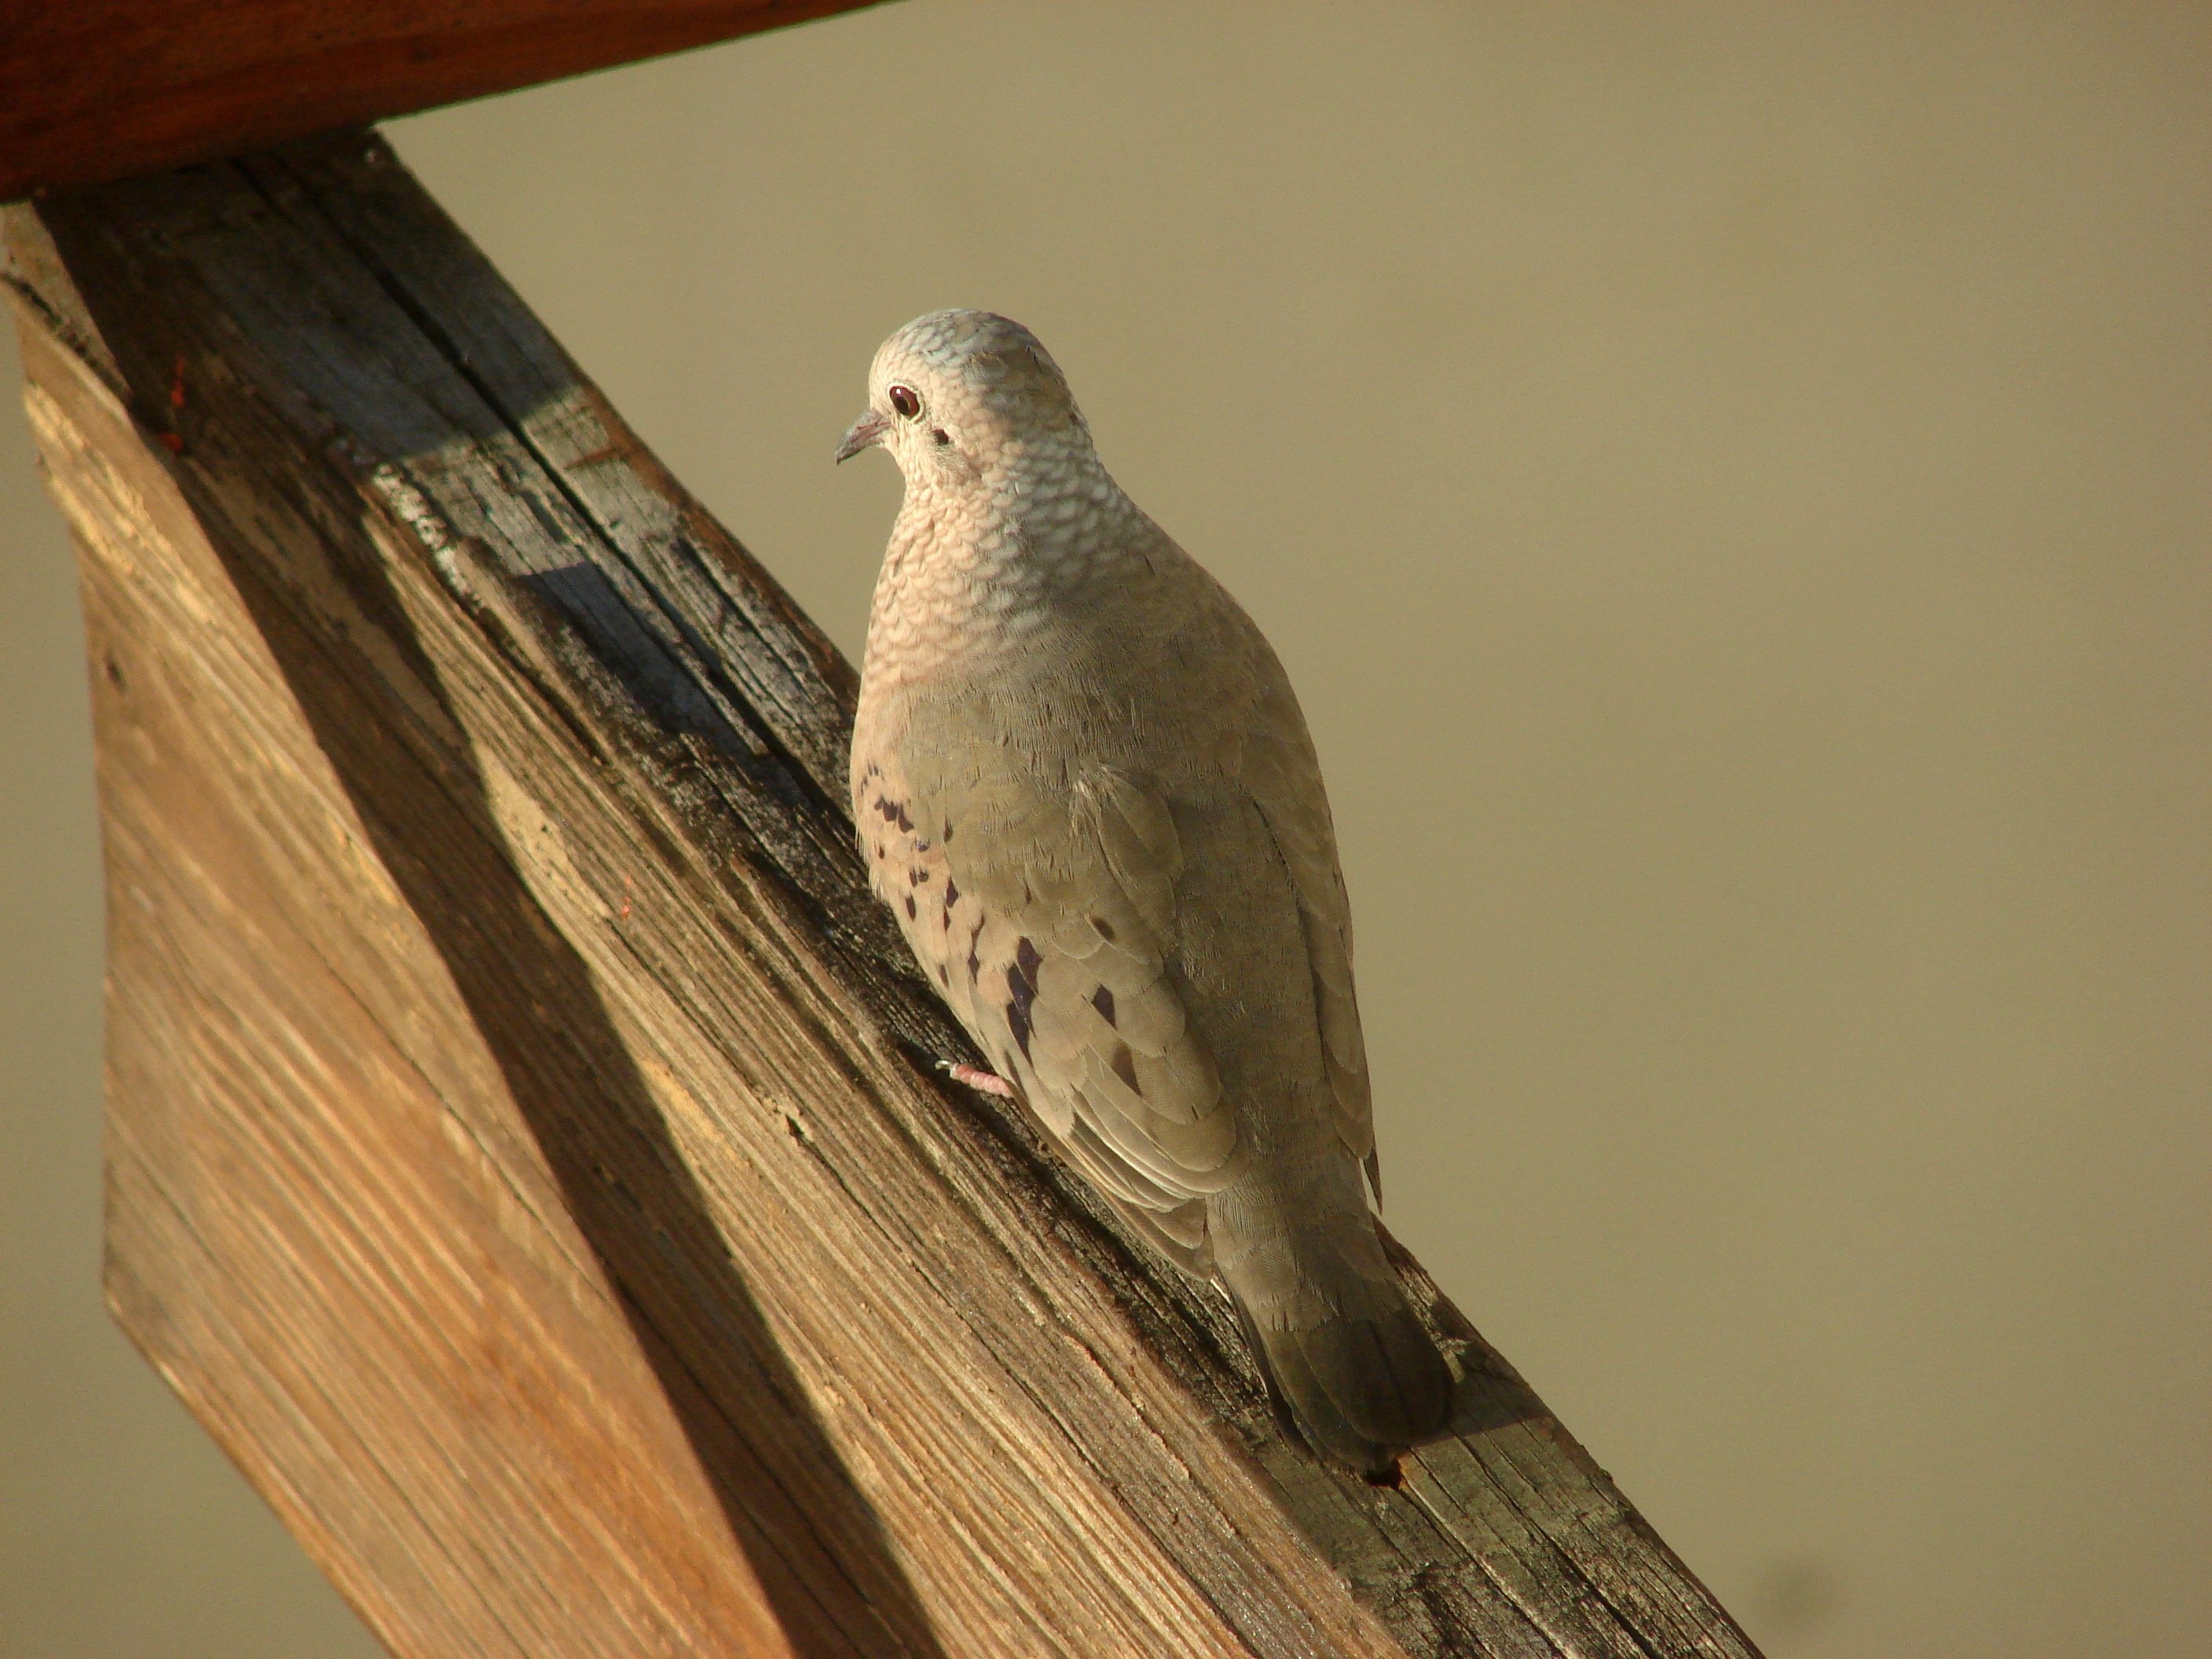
(1085, 787)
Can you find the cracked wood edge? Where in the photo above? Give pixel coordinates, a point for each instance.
(399, 616)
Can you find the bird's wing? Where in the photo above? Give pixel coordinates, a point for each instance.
(1046, 918)
(1283, 775)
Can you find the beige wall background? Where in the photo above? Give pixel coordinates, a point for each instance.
(1732, 485)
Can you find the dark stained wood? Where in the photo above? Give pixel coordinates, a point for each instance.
(525, 1154)
(92, 90)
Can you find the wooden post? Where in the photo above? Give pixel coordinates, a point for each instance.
(524, 1154)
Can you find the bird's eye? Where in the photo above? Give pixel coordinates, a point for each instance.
(904, 401)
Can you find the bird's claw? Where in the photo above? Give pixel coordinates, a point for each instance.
(976, 1078)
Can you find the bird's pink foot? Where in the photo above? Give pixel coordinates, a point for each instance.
(988, 1083)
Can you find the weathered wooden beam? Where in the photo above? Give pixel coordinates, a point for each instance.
(92, 90)
(524, 1152)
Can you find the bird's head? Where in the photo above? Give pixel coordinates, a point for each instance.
(955, 395)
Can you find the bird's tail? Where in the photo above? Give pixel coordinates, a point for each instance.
(1346, 1360)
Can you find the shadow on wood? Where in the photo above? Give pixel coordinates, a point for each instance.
(523, 1155)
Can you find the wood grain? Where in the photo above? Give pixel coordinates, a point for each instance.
(92, 90)
(525, 1152)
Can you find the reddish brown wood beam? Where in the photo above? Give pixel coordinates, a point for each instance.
(92, 90)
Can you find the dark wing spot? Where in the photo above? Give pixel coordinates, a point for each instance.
(943, 975)
(951, 892)
(913, 874)
(1102, 1000)
(974, 968)
(1125, 1068)
(1104, 928)
(905, 822)
(948, 829)
(910, 906)
(1026, 958)
(889, 810)
(1021, 993)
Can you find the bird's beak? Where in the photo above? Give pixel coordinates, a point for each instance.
(864, 434)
